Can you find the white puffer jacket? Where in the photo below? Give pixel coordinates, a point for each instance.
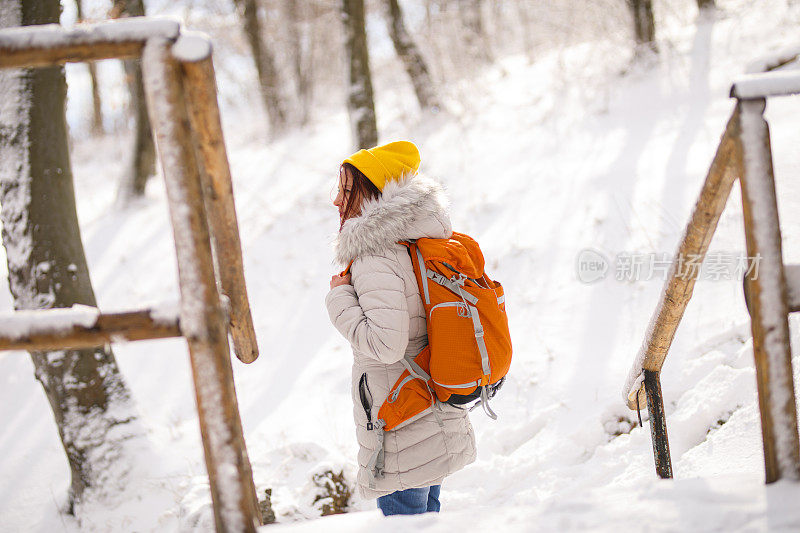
(381, 314)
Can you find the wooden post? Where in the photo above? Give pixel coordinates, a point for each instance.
(658, 424)
(202, 322)
(680, 281)
(767, 293)
(194, 51)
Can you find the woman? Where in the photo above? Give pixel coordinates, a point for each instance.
(377, 307)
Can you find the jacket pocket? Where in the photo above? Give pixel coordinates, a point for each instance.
(365, 396)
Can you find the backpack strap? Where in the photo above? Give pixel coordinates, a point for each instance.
(448, 284)
(478, 327)
(476, 324)
(413, 250)
(423, 275)
(414, 369)
(484, 402)
(346, 271)
(375, 465)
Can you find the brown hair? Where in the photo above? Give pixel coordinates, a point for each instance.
(362, 190)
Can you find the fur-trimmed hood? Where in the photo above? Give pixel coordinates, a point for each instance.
(411, 208)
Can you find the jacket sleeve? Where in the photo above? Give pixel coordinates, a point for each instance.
(372, 313)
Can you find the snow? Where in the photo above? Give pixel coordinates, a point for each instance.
(541, 160)
(778, 83)
(10, 14)
(635, 379)
(121, 30)
(14, 164)
(728, 503)
(192, 46)
(771, 61)
(25, 323)
(166, 312)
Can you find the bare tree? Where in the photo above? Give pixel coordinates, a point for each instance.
(525, 23)
(143, 159)
(46, 263)
(97, 104)
(644, 26)
(475, 38)
(265, 65)
(413, 61)
(302, 40)
(360, 101)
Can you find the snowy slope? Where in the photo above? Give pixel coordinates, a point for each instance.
(577, 150)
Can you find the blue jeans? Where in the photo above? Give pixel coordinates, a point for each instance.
(411, 501)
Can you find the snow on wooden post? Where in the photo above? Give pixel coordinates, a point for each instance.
(202, 320)
(52, 44)
(767, 292)
(759, 86)
(658, 424)
(793, 287)
(194, 52)
(680, 281)
(82, 327)
(792, 273)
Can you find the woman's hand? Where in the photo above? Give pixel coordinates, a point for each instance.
(337, 280)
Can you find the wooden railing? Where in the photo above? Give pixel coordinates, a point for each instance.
(182, 104)
(744, 152)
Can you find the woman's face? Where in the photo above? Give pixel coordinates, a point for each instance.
(343, 194)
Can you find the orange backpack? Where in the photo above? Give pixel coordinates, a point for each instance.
(469, 346)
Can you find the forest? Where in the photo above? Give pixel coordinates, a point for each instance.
(151, 204)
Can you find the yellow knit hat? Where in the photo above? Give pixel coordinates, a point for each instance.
(387, 162)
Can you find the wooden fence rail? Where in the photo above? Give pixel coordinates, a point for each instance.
(52, 44)
(182, 103)
(55, 329)
(772, 290)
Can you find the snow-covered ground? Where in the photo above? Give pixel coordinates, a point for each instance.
(542, 160)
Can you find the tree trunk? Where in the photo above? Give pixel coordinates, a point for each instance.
(97, 104)
(303, 43)
(142, 164)
(265, 65)
(475, 38)
(705, 4)
(46, 263)
(525, 24)
(415, 65)
(360, 102)
(644, 26)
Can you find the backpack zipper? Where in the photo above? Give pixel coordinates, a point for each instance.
(464, 314)
(396, 392)
(460, 386)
